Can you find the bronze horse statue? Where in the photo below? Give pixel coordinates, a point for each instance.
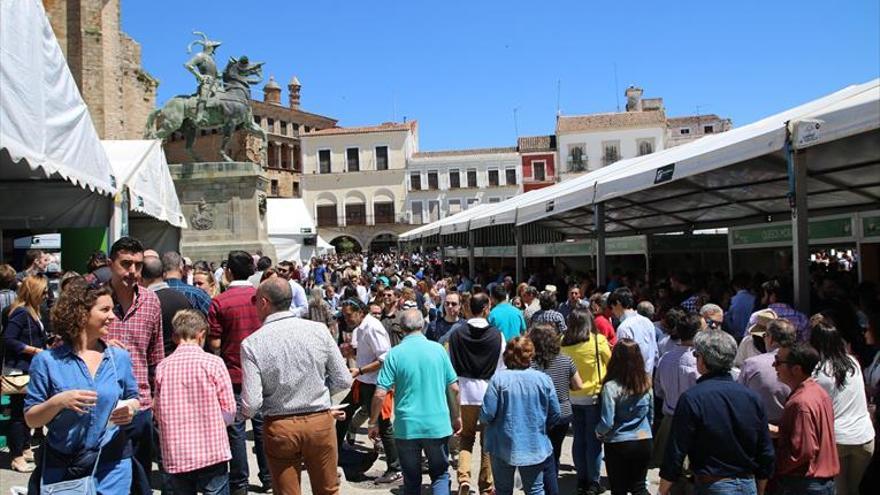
(228, 109)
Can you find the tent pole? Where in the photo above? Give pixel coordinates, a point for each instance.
(442, 259)
(518, 236)
(472, 270)
(599, 228)
(800, 248)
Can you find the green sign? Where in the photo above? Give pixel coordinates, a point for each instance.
(833, 228)
(499, 251)
(615, 245)
(581, 248)
(871, 226)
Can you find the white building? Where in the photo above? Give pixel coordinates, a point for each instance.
(442, 183)
(682, 130)
(354, 181)
(589, 142)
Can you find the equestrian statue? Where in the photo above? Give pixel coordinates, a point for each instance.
(220, 101)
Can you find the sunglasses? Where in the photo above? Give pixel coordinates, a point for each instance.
(450, 303)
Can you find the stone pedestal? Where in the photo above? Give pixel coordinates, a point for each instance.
(225, 207)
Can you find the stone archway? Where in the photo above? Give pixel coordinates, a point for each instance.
(345, 244)
(383, 243)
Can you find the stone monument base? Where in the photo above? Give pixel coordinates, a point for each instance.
(225, 208)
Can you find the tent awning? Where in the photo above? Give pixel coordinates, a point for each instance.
(141, 166)
(289, 216)
(43, 118)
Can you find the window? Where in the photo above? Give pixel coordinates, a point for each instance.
(296, 193)
(510, 176)
(610, 152)
(283, 128)
(416, 209)
(472, 202)
(577, 157)
(415, 182)
(708, 129)
(646, 147)
(433, 210)
(493, 178)
(472, 178)
(381, 157)
(433, 183)
(307, 129)
(271, 124)
(454, 206)
(454, 179)
(258, 120)
(327, 216)
(274, 188)
(538, 172)
(355, 214)
(494, 200)
(324, 161)
(684, 131)
(296, 128)
(352, 159)
(383, 212)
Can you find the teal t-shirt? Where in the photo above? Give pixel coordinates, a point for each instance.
(508, 320)
(420, 371)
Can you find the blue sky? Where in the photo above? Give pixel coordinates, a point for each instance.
(460, 68)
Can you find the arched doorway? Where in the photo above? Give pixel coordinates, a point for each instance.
(383, 243)
(346, 244)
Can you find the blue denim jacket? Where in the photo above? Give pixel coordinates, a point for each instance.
(624, 417)
(518, 407)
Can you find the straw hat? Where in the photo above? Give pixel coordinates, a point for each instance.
(759, 321)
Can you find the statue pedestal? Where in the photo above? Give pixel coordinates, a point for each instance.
(225, 208)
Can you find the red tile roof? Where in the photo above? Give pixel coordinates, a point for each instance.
(614, 120)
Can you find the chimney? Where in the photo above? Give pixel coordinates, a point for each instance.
(633, 99)
(293, 88)
(272, 92)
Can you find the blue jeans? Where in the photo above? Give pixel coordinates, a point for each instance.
(551, 476)
(586, 448)
(737, 486)
(532, 477)
(239, 473)
(410, 454)
(140, 434)
(210, 480)
(789, 485)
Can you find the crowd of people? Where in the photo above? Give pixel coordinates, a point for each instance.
(150, 358)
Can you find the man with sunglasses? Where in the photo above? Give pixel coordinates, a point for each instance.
(438, 330)
(713, 316)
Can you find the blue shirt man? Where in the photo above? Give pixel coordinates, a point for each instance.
(504, 316)
(197, 298)
(737, 316)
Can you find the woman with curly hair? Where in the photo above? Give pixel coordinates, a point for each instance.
(83, 391)
(564, 375)
(520, 403)
(24, 337)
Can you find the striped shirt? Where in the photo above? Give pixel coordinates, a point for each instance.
(552, 317)
(291, 366)
(194, 401)
(560, 371)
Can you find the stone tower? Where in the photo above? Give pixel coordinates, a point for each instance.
(106, 65)
(293, 89)
(272, 92)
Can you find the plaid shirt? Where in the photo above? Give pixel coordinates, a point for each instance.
(552, 317)
(691, 304)
(232, 317)
(799, 320)
(193, 401)
(140, 331)
(197, 298)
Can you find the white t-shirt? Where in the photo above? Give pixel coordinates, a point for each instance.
(372, 344)
(852, 424)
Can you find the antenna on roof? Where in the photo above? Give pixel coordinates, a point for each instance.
(515, 123)
(616, 88)
(558, 92)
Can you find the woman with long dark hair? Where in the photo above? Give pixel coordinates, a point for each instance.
(625, 422)
(564, 375)
(590, 352)
(840, 375)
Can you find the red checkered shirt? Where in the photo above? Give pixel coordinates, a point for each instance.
(193, 394)
(140, 330)
(232, 317)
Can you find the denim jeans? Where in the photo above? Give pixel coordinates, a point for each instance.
(410, 454)
(736, 486)
(210, 480)
(789, 485)
(140, 434)
(586, 448)
(531, 476)
(239, 473)
(551, 476)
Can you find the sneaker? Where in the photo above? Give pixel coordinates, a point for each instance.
(389, 477)
(464, 488)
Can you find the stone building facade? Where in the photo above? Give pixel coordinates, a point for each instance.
(106, 65)
(284, 125)
(680, 130)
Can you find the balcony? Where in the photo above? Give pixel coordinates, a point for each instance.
(575, 166)
(353, 218)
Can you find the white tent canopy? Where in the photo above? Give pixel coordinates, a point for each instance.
(290, 225)
(324, 247)
(47, 138)
(142, 168)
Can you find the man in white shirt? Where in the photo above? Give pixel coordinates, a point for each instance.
(634, 326)
(299, 305)
(373, 345)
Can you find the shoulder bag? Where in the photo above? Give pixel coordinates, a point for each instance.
(13, 380)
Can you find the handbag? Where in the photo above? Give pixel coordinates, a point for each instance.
(80, 486)
(13, 380)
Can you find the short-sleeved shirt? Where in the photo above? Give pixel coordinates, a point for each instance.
(560, 371)
(140, 330)
(372, 343)
(420, 371)
(232, 317)
(508, 320)
(60, 369)
(197, 298)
